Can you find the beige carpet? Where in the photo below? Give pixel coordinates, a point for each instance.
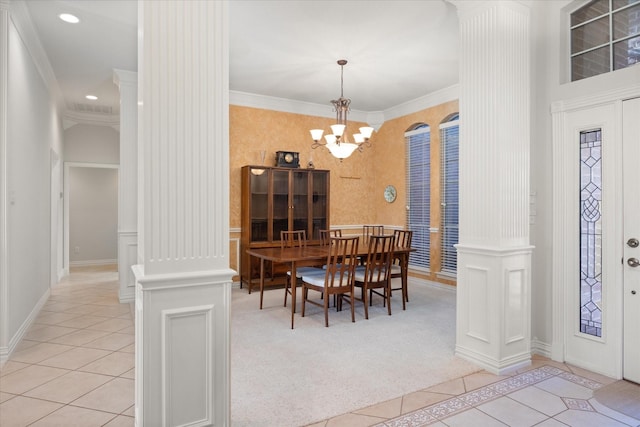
(622, 396)
(283, 377)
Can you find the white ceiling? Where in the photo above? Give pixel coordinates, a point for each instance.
(397, 50)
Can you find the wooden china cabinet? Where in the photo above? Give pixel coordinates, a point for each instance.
(278, 199)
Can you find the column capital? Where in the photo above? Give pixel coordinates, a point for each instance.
(470, 8)
(121, 77)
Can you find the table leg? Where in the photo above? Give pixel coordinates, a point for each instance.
(294, 285)
(405, 287)
(261, 280)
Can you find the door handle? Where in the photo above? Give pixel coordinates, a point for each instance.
(633, 262)
(633, 243)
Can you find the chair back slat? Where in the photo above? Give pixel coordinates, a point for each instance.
(326, 235)
(372, 230)
(379, 258)
(341, 261)
(292, 239)
(403, 238)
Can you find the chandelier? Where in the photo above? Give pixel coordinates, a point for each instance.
(337, 142)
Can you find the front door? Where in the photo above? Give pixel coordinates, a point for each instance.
(589, 238)
(631, 224)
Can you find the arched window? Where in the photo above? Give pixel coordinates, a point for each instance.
(449, 148)
(418, 140)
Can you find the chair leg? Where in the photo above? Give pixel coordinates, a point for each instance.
(387, 297)
(326, 312)
(405, 298)
(353, 315)
(364, 302)
(286, 290)
(304, 297)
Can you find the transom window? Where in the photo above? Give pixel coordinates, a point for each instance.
(605, 36)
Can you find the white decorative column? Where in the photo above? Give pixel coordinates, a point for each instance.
(494, 254)
(127, 82)
(183, 284)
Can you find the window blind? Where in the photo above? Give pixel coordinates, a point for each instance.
(449, 191)
(418, 162)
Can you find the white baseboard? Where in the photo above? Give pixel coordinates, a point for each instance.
(5, 352)
(127, 296)
(92, 262)
(540, 348)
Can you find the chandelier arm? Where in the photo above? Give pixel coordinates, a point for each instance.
(317, 144)
(339, 135)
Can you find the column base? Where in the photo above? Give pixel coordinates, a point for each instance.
(182, 348)
(505, 366)
(493, 313)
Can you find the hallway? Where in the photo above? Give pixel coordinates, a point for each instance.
(75, 364)
(75, 367)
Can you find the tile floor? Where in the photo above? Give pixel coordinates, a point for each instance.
(75, 367)
(546, 394)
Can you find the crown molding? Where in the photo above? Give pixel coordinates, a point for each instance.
(438, 97)
(245, 99)
(374, 118)
(72, 118)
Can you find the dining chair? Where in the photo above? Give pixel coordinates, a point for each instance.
(336, 279)
(375, 273)
(292, 239)
(400, 263)
(326, 235)
(372, 230)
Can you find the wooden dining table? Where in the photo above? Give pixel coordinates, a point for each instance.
(308, 254)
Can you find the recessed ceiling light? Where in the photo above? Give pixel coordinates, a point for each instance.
(91, 97)
(67, 17)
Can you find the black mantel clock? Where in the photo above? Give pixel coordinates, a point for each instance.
(287, 159)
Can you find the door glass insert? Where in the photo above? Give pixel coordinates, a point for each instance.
(259, 205)
(591, 232)
(301, 201)
(280, 203)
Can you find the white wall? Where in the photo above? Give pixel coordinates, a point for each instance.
(100, 145)
(92, 144)
(33, 130)
(93, 215)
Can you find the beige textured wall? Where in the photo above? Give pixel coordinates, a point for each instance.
(390, 156)
(352, 181)
(357, 183)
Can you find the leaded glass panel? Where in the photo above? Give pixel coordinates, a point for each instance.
(591, 232)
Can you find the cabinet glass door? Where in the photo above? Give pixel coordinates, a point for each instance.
(259, 205)
(280, 203)
(301, 201)
(320, 203)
